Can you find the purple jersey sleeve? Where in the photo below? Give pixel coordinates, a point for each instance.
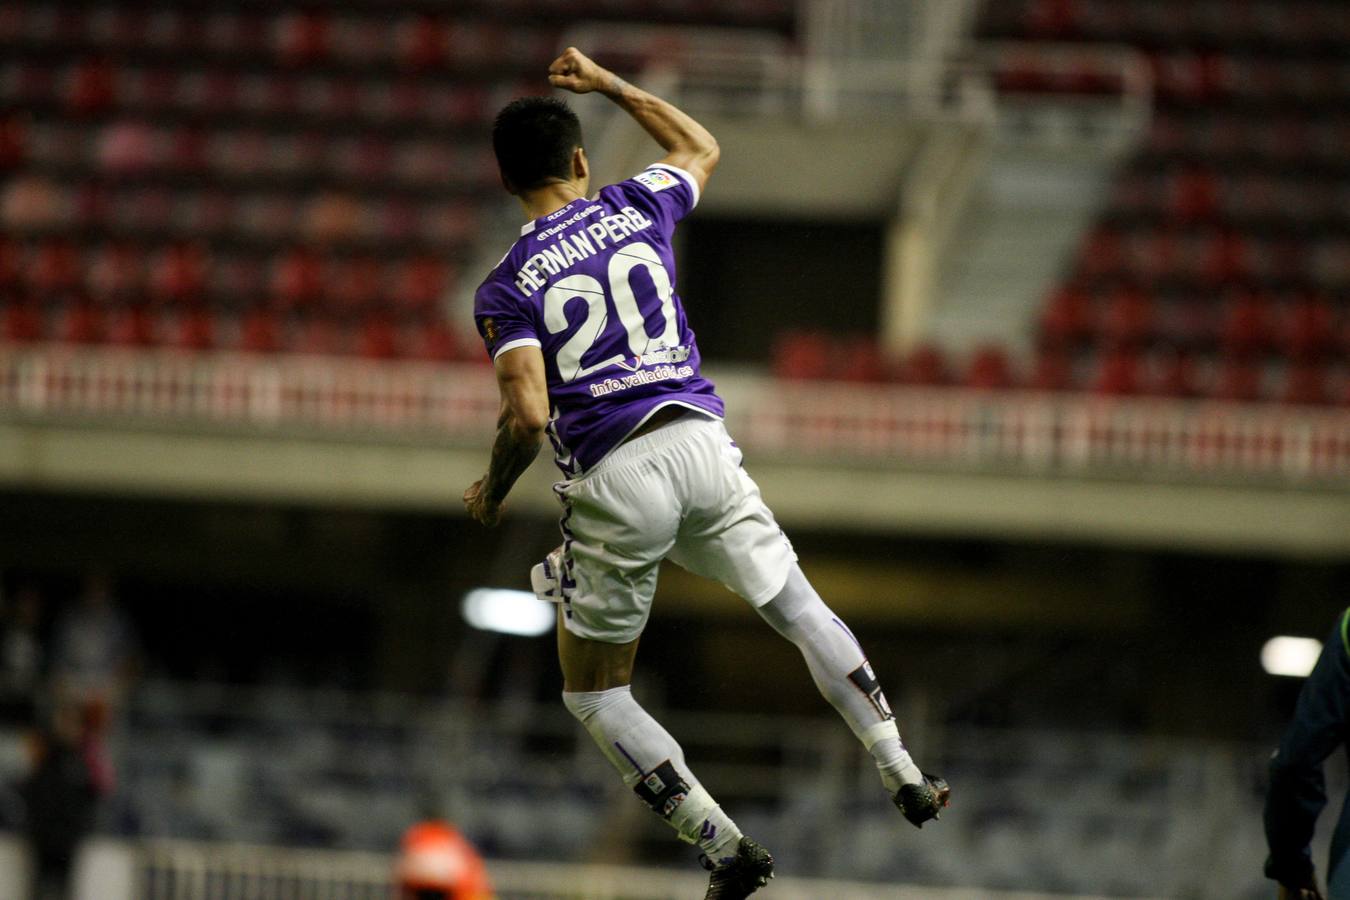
(504, 322)
(665, 193)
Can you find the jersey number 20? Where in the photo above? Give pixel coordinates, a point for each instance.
(584, 287)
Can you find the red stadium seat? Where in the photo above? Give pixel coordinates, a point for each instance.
(1129, 318)
(1053, 371)
(434, 341)
(801, 355)
(355, 284)
(989, 369)
(132, 326)
(1239, 379)
(1118, 373)
(377, 339)
(1067, 319)
(116, 272)
(194, 329)
(81, 322)
(420, 284)
(259, 331)
(178, 274)
(925, 365)
(1306, 383)
(1175, 376)
(20, 322)
(91, 87)
(420, 43)
(56, 268)
(1307, 328)
(297, 279)
(858, 359)
(13, 142)
(1245, 328)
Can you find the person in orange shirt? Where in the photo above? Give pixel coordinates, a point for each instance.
(436, 862)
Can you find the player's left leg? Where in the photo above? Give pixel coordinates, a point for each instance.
(845, 678)
(732, 536)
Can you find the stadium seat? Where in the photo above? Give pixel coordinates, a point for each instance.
(1239, 379)
(1306, 383)
(925, 365)
(1118, 373)
(20, 321)
(801, 355)
(1053, 371)
(132, 326)
(990, 369)
(80, 322)
(259, 331)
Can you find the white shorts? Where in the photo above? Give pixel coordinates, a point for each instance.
(678, 492)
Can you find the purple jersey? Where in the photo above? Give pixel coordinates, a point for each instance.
(593, 286)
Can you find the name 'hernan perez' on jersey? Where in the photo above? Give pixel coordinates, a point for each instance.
(593, 286)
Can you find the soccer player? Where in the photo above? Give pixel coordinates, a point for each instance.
(592, 348)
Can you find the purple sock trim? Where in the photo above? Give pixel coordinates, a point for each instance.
(641, 774)
(847, 632)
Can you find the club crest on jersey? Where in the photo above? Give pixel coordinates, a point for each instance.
(656, 180)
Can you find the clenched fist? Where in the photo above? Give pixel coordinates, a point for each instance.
(576, 72)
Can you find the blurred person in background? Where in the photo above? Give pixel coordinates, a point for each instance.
(94, 650)
(1298, 791)
(436, 862)
(567, 317)
(21, 656)
(68, 776)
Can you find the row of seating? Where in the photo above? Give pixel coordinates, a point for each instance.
(291, 277)
(132, 151)
(374, 334)
(1268, 197)
(35, 206)
(1200, 79)
(1117, 370)
(1300, 25)
(1220, 262)
(1224, 137)
(347, 35)
(1209, 258)
(1295, 325)
(95, 91)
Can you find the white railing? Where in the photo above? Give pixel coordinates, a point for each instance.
(177, 870)
(877, 425)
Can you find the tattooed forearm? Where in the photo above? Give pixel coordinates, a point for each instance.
(511, 456)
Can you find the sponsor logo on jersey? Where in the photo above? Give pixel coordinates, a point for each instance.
(656, 180)
(490, 331)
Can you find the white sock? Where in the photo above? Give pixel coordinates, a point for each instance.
(652, 764)
(843, 675)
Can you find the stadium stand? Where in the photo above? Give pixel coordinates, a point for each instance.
(1221, 248)
(258, 179)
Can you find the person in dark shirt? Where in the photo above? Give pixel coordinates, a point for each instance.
(1297, 787)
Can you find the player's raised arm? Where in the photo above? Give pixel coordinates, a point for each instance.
(688, 144)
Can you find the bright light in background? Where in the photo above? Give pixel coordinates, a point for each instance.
(1290, 655)
(508, 612)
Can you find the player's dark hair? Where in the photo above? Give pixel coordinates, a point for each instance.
(534, 138)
